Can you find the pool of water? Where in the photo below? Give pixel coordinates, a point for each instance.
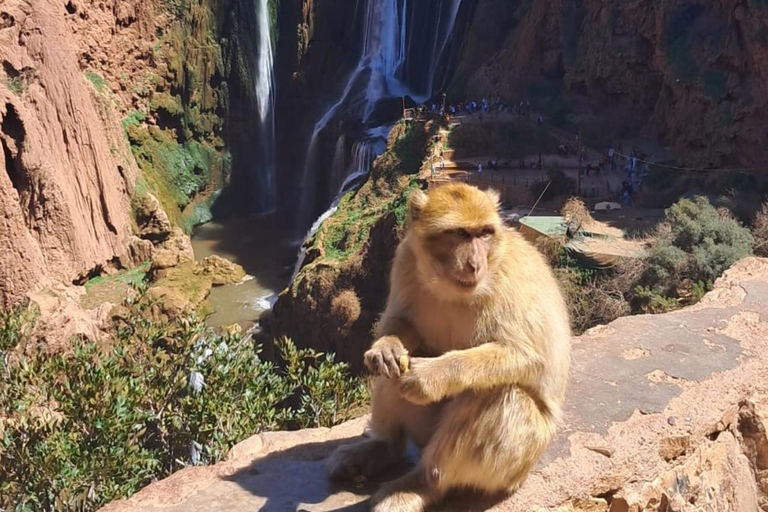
(260, 245)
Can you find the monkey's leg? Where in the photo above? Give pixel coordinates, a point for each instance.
(487, 441)
(392, 420)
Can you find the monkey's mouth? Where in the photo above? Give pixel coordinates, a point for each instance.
(466, 284)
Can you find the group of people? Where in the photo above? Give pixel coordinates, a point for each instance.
(523, 109)
(635, 168)
(632, 165)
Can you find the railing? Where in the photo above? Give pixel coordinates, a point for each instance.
(498, 178)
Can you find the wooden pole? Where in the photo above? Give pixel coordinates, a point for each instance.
(578, 192)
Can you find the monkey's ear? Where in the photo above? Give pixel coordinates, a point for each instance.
(494, 195)
(417, 200)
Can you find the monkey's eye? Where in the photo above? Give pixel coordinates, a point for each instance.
(463, 233)
(487, 232)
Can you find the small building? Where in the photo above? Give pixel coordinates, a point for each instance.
(532, 228)
(590, 248)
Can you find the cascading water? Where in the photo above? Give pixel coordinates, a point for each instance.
(266, 195)
(395, 61)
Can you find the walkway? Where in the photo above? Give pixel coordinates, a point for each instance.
(596, 187)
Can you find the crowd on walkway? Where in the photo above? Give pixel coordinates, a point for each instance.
(634, 167)
(523, 109)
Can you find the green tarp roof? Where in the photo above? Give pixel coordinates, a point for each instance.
(550, 226)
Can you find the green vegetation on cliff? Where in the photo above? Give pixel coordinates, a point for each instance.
(386, 192)
(176, 135)
(340, 290)
(81, 428)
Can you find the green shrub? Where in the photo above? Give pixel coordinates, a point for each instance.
(648, 301)
(82, 428)
(557, 184)
(16, 85)
(694, 244)
(760, 231)
(135, 118)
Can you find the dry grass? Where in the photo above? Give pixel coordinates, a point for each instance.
(576, 214)
(760, 231)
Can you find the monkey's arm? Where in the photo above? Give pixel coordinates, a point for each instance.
(398, 327)
(396, 338)
(484, 367)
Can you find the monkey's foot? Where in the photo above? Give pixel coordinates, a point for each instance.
(398, 502)
(367, 458)
(409, 493)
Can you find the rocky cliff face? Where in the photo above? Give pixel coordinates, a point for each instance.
(88, 89)
(341, 289)
(64, 193)
(690, 71)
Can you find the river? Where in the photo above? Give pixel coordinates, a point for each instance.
(260, 245)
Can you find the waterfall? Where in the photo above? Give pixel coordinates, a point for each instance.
(264, 81)
(362, 156)
(339, 168)
(395, 61)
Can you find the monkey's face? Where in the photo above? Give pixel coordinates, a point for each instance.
(456, 229)
(461, 255)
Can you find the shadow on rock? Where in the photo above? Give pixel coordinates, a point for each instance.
(294, 480)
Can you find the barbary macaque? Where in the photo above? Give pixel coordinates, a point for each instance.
(471, 356)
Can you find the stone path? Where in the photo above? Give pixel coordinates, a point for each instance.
(602, 186)
(656, 411)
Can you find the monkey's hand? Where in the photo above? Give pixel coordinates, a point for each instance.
(425, 383)
(383, 358)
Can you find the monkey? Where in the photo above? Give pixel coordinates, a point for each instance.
(482, 323)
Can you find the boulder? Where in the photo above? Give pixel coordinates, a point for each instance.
(153, 222)
(181, 243)
(179, 291)
(220, 271)
(61, 318)
(137, 252)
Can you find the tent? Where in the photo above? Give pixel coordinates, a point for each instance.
(607, 206)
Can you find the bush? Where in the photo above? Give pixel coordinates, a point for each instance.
(590, 298)
(97, 80)
(694, 245)
(576, 214)
(559, 185)
(80, 429)
(760, 231)
(691, 248)
(648, 301)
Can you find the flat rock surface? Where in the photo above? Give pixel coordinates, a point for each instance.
(648, 394)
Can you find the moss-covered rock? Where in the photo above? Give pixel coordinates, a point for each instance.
(176, 132)
(181, 290)
(220, 271)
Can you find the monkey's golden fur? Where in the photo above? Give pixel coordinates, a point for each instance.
(482, 316)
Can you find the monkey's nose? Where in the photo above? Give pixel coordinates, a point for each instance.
(472, 268)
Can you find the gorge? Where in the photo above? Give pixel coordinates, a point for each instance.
(155, 152)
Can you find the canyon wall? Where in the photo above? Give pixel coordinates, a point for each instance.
(103, 103)
(692, 72)
(64, 193)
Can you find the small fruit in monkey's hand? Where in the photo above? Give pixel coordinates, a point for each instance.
(404, 362)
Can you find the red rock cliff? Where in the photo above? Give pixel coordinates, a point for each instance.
(693, 72)
(64, 199)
